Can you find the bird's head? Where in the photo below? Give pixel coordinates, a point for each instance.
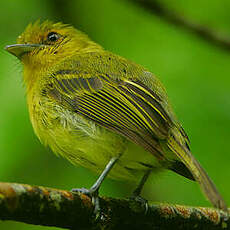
(44, 44)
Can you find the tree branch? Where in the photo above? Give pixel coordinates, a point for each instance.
(206, 33)
(52, 207)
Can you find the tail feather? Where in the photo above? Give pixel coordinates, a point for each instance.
(180, 168)
(206, 184)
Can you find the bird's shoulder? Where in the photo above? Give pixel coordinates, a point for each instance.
(106, 67)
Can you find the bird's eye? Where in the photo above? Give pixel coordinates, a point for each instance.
(53, 36)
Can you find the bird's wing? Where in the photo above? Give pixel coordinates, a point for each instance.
(133, 110)
(124, 106)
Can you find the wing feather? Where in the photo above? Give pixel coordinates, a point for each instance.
(125, 107)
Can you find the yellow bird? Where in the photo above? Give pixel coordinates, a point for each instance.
(102, 111)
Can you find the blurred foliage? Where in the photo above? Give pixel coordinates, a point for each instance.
(195, 73)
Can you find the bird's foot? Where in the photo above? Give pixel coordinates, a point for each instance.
(82, 190)
(139, 203)
(94, 197)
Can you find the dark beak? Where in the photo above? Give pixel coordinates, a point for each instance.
(19, 50)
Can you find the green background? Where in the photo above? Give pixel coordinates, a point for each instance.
(196, 75)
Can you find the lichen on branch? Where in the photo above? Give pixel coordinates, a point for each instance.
(52, 207)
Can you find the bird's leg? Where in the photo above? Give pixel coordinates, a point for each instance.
(137, 192)
(140, 186)
(93, 191)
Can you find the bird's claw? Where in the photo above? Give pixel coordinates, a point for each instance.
(142, 203)
(94, 197)
(82, 190)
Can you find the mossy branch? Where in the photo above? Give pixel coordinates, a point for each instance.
(51, 207)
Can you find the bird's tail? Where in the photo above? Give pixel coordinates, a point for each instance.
(199, 174)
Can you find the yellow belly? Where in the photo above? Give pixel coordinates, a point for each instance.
(83, 142)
